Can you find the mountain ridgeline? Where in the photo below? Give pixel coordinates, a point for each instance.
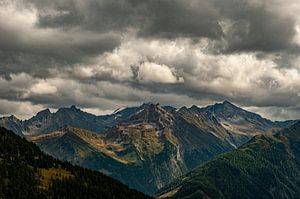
(145, 147)
(26, 172)
(266, 167)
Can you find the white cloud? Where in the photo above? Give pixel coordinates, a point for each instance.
(43, 87)
(276, 113)
(238, 75)
(152, 72)
(97, 111)
(22, 110)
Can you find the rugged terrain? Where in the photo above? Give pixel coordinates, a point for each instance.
(145, 147)
(268, 166)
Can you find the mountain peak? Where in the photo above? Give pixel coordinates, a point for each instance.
(228, 103)
(14, 118)
(224, 107)
(184, 108)
(194, 107)
(43, 113)
(73, 107)
(152, 113)
(149, 104)
(150, 107)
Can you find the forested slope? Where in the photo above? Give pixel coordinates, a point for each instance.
(26, 172)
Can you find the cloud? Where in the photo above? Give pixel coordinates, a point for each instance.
(102, 54)
(277, 113)
(24, 47)
(248, 25)
(155, 73)
(256, 26)
(14, 88)
(240, 76)
(23, 110)
(43, 87)
(151, 18)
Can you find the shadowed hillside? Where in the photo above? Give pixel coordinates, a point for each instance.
(26, 172)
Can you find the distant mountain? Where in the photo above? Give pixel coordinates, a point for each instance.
(241, 124)
(145, 147)
(26, 172)
(268, 166)
(45, 121)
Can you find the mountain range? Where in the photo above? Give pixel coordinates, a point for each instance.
(145, 147)
(268, 166)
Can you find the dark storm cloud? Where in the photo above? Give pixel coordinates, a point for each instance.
(38, 59)
(37, 54)
(253, 26)
(168, 18)
(250, 25)
(182, 19)
(98, 16)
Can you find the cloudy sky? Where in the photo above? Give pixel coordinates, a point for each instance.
(105, 54)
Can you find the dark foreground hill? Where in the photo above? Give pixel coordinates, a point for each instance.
(268, 166)
(26, 172)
